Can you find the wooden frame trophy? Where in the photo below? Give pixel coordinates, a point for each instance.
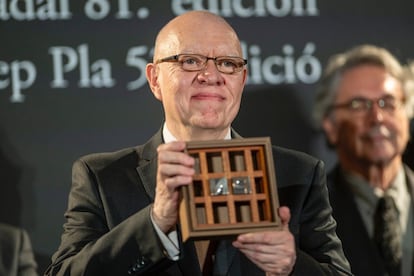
(233, 191)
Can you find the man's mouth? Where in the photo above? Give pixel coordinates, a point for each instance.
(208, 96)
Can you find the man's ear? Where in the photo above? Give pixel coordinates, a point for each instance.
(244, 76)
(152, 78)
(331, 130)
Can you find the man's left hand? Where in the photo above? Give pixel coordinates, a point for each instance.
(272, 251)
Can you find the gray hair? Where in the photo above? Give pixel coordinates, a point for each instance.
(363, 54)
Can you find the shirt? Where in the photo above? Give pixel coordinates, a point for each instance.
(367, 197)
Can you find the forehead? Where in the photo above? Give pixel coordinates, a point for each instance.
(368, 81)
(209, 45)
(208, 37)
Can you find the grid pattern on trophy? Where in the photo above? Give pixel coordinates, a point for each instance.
(230, 186)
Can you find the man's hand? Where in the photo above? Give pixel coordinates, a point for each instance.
(175, 169)
(272, 251)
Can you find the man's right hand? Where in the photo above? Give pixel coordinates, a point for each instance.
(175, 169)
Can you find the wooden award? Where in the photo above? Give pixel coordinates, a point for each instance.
(234, 189)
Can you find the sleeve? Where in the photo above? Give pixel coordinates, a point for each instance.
(319, 248)
(89, 246)
(27, 265)
(170, 242)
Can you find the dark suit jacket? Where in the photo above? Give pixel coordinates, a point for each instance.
(109, 230)
(358, 246)
(16, 255)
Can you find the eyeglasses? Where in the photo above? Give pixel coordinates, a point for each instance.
(362, 105)
(194, 62)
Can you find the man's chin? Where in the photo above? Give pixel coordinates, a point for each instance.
(208, 122)
(209, 126)
(382, 158)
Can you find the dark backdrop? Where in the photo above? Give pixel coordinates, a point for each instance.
(72, 82)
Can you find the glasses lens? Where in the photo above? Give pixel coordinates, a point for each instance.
(388, 103)
(192, 62)
(229, 65)
(359, 104)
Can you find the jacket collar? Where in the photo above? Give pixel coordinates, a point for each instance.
(147, 164)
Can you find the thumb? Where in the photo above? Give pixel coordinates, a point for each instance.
(284, 214)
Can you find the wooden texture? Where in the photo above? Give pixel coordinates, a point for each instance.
(234, 189)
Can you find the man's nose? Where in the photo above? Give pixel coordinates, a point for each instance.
(376, 112)
(210, 74)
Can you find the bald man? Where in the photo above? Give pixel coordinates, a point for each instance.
(122, 216)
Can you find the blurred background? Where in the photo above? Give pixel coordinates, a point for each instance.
(72, 82)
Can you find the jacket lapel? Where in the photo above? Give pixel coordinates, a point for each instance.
(351, 230)
(410, 180)
(147, 164)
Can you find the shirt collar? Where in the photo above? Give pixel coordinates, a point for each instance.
(362, 189)
(169, 137)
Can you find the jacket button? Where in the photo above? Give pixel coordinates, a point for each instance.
(141, 262)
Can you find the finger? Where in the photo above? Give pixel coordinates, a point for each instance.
(284, 214)
(173, 183)
(269, 236)
(172, 146)
(259, 251)
(172, 153)
(268, 262)
(257, 238)
(171, 170)
(274, 262)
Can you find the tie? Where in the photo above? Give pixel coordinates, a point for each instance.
(387, 234)
(216, 258)
(208, 264)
